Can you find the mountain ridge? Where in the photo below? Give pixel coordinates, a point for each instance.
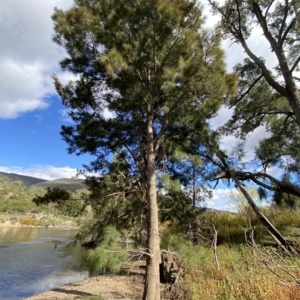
(69, 184)
(26, 180)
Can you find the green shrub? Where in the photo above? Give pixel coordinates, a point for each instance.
(109, 254)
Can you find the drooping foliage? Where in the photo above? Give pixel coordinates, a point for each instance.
(284, 200)
(142, 66)
(109, 255)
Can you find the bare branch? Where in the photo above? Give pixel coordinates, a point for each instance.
(295, 64)
(248, 90)
(268, 258)
(286, 11)
(281, 39)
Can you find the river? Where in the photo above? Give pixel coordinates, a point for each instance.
(33, 260)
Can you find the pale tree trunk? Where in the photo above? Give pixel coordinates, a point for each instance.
(152, 281)
(194, 188)
(280, 240)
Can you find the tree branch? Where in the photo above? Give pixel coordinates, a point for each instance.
(286, 10)
(281, 40)
(248, 90)
(295, 64)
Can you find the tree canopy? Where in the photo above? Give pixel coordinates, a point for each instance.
(267, 98)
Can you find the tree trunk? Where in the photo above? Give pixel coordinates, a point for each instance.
(152, 282)
(293, 97)
(280, 240)
(194, 188)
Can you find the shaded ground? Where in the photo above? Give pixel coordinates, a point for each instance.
(104, 287)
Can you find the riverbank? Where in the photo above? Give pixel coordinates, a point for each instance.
(38, 220)
(103, 287)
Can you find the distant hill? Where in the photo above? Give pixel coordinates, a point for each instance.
(68, 184)
(26, 180)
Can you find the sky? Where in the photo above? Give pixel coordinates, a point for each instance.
(31, 113)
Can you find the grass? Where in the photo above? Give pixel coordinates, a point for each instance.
(241, 277)
(231, 227)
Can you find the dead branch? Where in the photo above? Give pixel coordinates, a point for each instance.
(214, 245)
(269, 258)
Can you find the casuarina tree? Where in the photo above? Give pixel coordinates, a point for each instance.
(141, 66)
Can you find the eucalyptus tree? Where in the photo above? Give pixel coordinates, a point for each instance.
(149, 63)
(279, 21)
(259, 106)
(266, 98)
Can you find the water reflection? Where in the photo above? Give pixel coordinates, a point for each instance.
(29, 262)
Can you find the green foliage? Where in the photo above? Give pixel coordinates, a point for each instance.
(284, 200)
(148, 63)
(17, 206)
(110, 254)
(63, 201)
(72, 208)
(189, 254)
(14, 197)
(175, 207)
(116, 200)
(52, 195)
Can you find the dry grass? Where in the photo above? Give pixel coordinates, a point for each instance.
(29, 221)
(242, 277)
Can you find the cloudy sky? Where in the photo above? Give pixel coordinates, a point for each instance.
(31, 114)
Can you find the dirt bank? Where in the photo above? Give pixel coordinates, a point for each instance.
(104, 287)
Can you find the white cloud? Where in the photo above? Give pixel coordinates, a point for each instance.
(43, 172)
(22, 88)
(257, 43)
(224, 114)
(65, 116)
(253, 139)
(275, 172)
(28, 57)
(220, 200)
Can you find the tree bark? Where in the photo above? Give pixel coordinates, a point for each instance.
(152, 281)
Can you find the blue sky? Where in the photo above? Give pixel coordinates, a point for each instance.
(31, 113)
(33, 139)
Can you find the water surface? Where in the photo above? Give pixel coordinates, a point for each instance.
(33, 260)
